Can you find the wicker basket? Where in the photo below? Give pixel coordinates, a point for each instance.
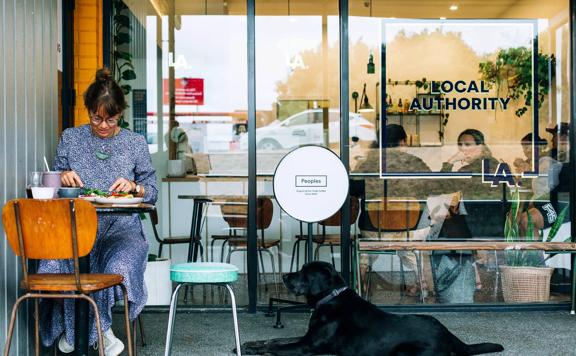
(526, 284)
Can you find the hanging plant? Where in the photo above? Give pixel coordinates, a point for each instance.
(121, 58)
(513, 68)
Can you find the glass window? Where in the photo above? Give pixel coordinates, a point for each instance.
(469, 137)
(297, 96)
(186, 65)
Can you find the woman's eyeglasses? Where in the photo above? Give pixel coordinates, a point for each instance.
(111, 121)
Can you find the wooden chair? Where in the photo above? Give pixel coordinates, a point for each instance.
(56, 229)
(235, 213)
(325, 239)
(394, 215)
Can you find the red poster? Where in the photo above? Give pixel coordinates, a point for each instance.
(189, 91)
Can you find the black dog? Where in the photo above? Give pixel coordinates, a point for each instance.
(345, 324)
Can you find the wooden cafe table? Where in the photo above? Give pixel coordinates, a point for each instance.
(82, 325)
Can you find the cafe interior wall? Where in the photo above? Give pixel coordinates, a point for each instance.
(28, 129)
(449, 58)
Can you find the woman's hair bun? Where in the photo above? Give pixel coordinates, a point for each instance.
(103, 75)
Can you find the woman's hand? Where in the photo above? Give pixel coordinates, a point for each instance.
(122, 185)
(71, 179)
(459, 156)
(521, 165)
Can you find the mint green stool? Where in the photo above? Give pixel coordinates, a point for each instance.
(202, 273)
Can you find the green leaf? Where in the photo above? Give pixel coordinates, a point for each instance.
(122, 20)
(123, 55)
(128, 75)
(557, 223)
(122, 38)
(123, 123)
(119, 5)
(126, 89)
(529, 228)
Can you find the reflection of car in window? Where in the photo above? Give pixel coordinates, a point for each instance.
(305, 128)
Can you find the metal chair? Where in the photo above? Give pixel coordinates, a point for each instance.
(394, 215)
(56, 229)
(173, 240)
(222, 274)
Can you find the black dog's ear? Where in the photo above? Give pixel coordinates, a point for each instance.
(324, 280)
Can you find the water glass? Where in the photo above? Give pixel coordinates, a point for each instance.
(35, 179)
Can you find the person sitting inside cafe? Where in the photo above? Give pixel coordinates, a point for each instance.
(104, 156)
(395, 159)
(459, 272)
(542, 212)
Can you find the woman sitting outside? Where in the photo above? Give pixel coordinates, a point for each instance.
(104, 156)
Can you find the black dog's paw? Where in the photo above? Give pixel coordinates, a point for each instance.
(253, 347)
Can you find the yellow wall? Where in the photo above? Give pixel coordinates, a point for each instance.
(87, 51)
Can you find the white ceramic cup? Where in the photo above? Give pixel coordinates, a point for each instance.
(43, 192)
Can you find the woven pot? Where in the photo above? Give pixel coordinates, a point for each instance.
(526, 284)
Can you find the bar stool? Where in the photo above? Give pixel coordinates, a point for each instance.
(222, 274)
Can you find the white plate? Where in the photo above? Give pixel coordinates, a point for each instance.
(88, 198)
(118, 201)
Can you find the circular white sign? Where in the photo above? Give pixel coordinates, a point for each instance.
(311, 183)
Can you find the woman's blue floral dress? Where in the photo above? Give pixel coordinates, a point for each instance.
(121, 246)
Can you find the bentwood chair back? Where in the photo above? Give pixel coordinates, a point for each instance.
(44, 223)
(394, 214)
(235, 212)
(56, 229)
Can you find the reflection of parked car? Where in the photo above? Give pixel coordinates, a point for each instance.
(306, 128)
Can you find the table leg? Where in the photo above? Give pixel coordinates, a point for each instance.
(81, 316)
(197, 232)
(309, 257)
(196, 225)
(192, 245)
(573, 294)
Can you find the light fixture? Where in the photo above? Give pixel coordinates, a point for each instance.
(442, 18)
(453, 7)
(371, 68)
(364, 104)
(355, 97)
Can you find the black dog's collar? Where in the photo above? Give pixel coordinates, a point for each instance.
(330, 296)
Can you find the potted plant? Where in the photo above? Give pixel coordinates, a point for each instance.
(513, 68)
(525, 277)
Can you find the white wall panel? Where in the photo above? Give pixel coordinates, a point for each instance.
(28, 127)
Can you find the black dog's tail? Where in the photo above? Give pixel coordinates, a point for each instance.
(483, 348)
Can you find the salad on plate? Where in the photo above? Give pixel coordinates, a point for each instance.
(100, 196)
